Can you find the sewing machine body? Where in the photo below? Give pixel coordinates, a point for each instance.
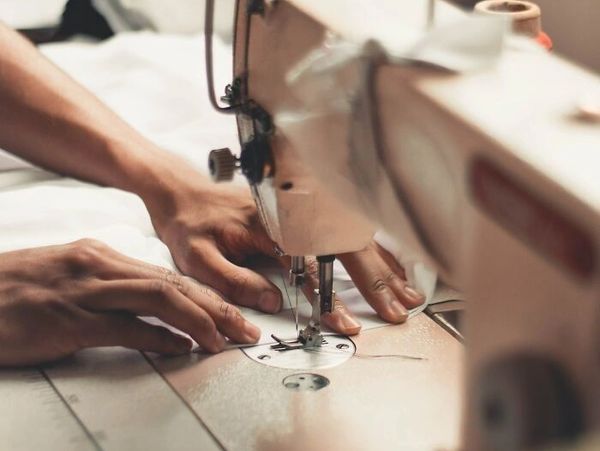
(484, 154)
(488, 176)
(292, 193)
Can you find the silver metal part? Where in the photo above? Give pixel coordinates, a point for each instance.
(322, 302)
(326, 284)
(291, 354)
(297, 271)
(311, 335)
(449, 315)
(222, 164)
(305, 382)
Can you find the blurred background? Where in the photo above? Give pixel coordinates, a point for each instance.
(102, 18)
(572, 24)
(573, 27)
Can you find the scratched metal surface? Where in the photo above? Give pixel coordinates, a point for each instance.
(378, 404)
(102, 399)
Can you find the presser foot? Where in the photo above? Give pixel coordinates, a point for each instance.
(311, 336)
(299, 343)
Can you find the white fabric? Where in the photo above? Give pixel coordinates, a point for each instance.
(186, 16)
(9, 162)
(156, 83)
(26, 14)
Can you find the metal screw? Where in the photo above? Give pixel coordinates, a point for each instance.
(264, 357)
(342, 346)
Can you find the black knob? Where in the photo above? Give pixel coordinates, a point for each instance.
(222, 164)
(524, 402)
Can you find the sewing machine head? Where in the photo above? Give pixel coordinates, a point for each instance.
(489, 180)
(302, 217)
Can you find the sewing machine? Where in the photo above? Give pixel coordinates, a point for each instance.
(498, 195)
(490, 176)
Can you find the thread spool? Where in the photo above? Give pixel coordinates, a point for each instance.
(526, 17)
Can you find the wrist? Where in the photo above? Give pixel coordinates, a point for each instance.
(164, 181)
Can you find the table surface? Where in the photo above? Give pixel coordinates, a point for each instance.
(117, 399)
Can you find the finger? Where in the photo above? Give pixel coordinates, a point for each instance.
(408, 296)
(365, 268)
(240, 285)
(390, 259)
(154, 297)
(227, 317)
(340, 320)
(118, 329)
(263, 243)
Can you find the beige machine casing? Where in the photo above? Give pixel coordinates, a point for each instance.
(496, 179)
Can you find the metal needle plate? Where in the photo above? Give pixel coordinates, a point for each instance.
(335, 350)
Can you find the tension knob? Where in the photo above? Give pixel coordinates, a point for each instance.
(222, 163)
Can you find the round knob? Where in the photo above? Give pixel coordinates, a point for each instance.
(222, 163)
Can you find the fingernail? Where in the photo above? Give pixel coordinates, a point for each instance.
(350, 323)
(396, 312)
(342, 322)
(351, 326)
(414, 295)
(219, 342)
(251, 331)
(269, 301)
(183, 345)
(400, 312)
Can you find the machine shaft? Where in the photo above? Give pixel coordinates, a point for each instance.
(322, 302)
(297, 271)
(326, 283)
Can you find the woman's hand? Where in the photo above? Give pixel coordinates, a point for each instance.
(62, 127)
(212, 229)
(56, 300)
(379, 278)
(210, 233)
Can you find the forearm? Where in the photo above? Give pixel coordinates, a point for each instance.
(49, 119)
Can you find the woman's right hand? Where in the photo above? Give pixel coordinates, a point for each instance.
(57, 300)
